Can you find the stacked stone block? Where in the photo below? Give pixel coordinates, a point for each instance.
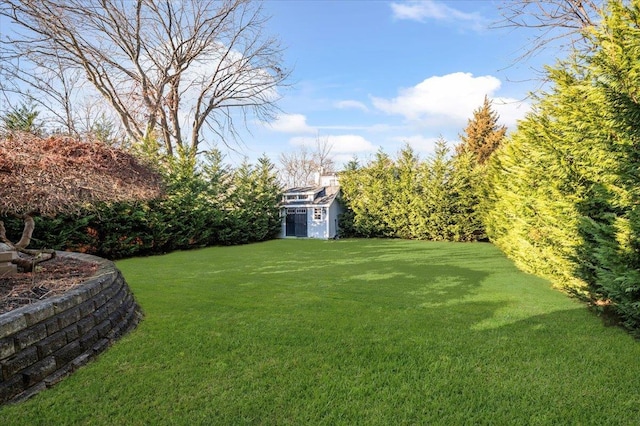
(42, 343)
(6, 267)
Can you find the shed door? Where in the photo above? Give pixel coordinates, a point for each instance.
(301, 223)
(296, 223)
(291, 223)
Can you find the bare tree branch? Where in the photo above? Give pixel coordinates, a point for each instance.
(169, 70)
(299, 168)
(555, 23)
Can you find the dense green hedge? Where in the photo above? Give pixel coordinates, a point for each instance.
(565, 191)
(436, 199)
(215, 205)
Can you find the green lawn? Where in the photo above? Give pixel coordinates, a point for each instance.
(371, 332)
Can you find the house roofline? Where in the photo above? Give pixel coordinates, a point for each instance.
(303, 189)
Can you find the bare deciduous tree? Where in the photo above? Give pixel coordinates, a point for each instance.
(554, 22)
(296, 168)
(299, 168)
(171, 71)
(323, 156)
(43, 82)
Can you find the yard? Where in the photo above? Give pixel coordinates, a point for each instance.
(349, 332)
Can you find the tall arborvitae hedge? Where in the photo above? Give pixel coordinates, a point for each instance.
(406, 197)
(211, 204)
(565, 191)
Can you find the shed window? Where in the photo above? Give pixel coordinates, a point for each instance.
(317, 213)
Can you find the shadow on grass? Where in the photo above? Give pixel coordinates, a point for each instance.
(413, 273)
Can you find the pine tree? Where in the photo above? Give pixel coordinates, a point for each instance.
(482, 135)
(23, 119)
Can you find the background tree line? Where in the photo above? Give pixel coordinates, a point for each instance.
(406, 197)
(439, 198)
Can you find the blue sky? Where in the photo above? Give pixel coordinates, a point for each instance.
(379, 74)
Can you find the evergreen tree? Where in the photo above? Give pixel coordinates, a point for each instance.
(437, 202)
(187, 198)
(366, 192)
(611, 214)
(266, 200)
(219, 187)
(532, 216)
(451, 188)
(352, 165)
(23, 119)
(565, 190)
(218, 176)
(240, 212)
(482, 135)
(254, 202)
(465, 190)
(405, 193)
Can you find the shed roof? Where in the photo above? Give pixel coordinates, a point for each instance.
(303, 189)
(322, 195)
(325, 199)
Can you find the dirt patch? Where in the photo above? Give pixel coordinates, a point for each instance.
(51, 278)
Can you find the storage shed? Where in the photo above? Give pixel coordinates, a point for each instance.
(312, 211)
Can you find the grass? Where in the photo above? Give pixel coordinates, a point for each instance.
(371, 332)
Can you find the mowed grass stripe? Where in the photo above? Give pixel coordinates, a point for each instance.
(349, 332)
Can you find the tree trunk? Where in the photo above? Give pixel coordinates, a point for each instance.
(26, 264)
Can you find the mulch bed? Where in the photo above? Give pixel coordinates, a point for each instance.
(52, 278)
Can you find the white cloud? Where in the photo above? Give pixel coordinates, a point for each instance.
(340, 144)
(291, 123)
(350, 143)
(428, 9)
(450, 100)
(351, 104)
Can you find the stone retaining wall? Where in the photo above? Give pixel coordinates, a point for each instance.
(42, 343)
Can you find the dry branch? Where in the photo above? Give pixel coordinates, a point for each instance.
(61, 174)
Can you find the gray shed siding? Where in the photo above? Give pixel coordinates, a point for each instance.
(335, 209)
